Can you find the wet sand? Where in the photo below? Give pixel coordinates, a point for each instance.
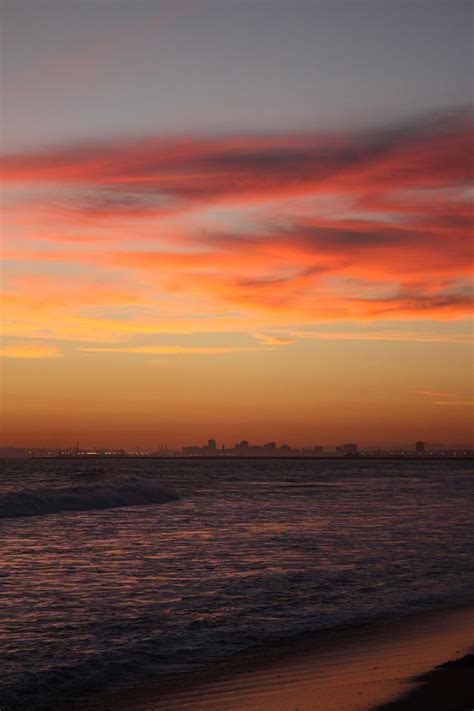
(360, 668)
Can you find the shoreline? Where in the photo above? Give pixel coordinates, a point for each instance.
(375, 666)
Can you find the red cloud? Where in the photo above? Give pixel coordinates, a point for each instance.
(395, 245)
(427, 155)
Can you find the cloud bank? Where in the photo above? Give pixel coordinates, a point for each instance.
(112, 240)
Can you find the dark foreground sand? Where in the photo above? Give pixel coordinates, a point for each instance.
(388, 666)
(450, 686)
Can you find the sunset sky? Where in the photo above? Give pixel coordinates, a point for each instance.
(236, 220)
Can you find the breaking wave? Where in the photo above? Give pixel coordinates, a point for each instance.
(41, 502)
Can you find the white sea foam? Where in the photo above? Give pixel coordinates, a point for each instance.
(41, 502)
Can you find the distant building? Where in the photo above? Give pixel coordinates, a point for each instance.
(191, 451)
(420, 447)
(318, 449)
(212, 444)
(349, 448)
(242, 448)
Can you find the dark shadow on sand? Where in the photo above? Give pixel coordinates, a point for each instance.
(449, 687)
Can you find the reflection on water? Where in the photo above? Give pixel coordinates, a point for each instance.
(252, 551)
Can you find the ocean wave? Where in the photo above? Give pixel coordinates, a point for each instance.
(41, 502)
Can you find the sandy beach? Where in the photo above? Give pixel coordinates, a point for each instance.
(383, 665)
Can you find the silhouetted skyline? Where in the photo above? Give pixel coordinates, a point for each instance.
(244, 448)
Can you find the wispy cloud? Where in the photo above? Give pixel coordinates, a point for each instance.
(170, 350)
(446, 399)
(420, 155)
(454, 403)
(319, 228)
(395, 335)
(29, 350)
(273, 339)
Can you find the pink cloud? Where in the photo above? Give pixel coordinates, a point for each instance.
(319, 227)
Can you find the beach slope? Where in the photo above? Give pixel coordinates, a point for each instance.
(383, 665)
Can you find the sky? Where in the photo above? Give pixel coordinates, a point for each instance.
(236, 220)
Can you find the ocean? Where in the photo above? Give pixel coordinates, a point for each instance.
(113, 572)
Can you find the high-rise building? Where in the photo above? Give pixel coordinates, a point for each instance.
(242, 449)
(420, 447)
(349, 448)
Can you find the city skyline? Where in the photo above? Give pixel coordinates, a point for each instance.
(250, 215)
(245, 447)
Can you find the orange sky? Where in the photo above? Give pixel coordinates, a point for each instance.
(312, 288)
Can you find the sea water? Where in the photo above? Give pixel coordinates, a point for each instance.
(116, 571)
